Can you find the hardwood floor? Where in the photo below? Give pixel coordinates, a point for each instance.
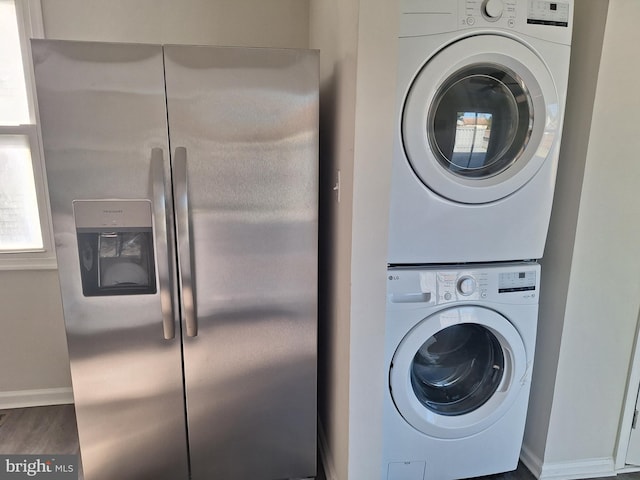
(48, 430)
(39, 430)
(52, 430)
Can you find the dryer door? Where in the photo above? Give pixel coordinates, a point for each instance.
(480, 119)
(458, 371)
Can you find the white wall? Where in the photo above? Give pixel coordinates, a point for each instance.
(265, 23)
(333, 29)
(358, 45)
(375, 96)
(33, 354)
(588, 33)
(603, 289)
(34, 366)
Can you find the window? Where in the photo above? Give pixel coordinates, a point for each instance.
(25, 226)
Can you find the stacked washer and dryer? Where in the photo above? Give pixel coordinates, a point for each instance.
(480, 100)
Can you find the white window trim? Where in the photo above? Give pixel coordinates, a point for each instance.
(30, 25)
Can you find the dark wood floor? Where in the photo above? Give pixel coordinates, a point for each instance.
(52, 430)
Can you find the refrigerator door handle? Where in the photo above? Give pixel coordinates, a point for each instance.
(160, 213)
(184, 243)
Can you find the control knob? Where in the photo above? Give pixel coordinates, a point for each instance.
(492, 9)
(466, 285)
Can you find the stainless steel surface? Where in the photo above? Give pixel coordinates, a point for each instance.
(184, 241)
(248, 120)
(165, 282)
(247, 195)
(102, 111)
(92, 214)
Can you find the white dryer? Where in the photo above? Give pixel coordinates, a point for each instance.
(459, 352)
(480, 98)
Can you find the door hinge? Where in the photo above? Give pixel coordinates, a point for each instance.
(634, 422)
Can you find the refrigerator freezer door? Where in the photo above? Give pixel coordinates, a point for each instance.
(247, 120)
(102, 111)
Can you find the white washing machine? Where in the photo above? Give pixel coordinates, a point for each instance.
(459, 352)
(480, 99)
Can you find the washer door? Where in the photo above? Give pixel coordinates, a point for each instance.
(480, 119)
(458, 371)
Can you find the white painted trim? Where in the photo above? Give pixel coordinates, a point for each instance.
(587, 468)
(33, 8)
(21, 263)
(325, 454)
(35, 398)
(628, 469)
(30, 25)
(531, 461)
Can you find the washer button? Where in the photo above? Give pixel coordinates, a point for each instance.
(471, 21)
(447, 296)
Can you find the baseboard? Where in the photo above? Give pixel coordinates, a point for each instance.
(35, 398)
(325, 455)
(576, 470)
(588, 468)
(531, 461)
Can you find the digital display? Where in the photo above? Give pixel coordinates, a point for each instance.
(554, 14)
(517, 282)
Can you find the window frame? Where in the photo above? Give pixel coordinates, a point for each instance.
(30, 25)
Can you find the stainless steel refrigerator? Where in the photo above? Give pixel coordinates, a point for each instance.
(183, 183)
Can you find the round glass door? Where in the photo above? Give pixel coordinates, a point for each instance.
(457, 369)
(480, 119)
(456, 372)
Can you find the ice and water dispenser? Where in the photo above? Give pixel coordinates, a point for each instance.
(115, 247)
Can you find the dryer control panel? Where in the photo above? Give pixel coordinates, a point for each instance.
(548, 20)
(504, 12)
(514, 283)
(500, 12)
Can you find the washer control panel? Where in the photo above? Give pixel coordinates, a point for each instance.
(437, 285)
(454, 286)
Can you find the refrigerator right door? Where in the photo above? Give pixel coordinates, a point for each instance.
(243, 127)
